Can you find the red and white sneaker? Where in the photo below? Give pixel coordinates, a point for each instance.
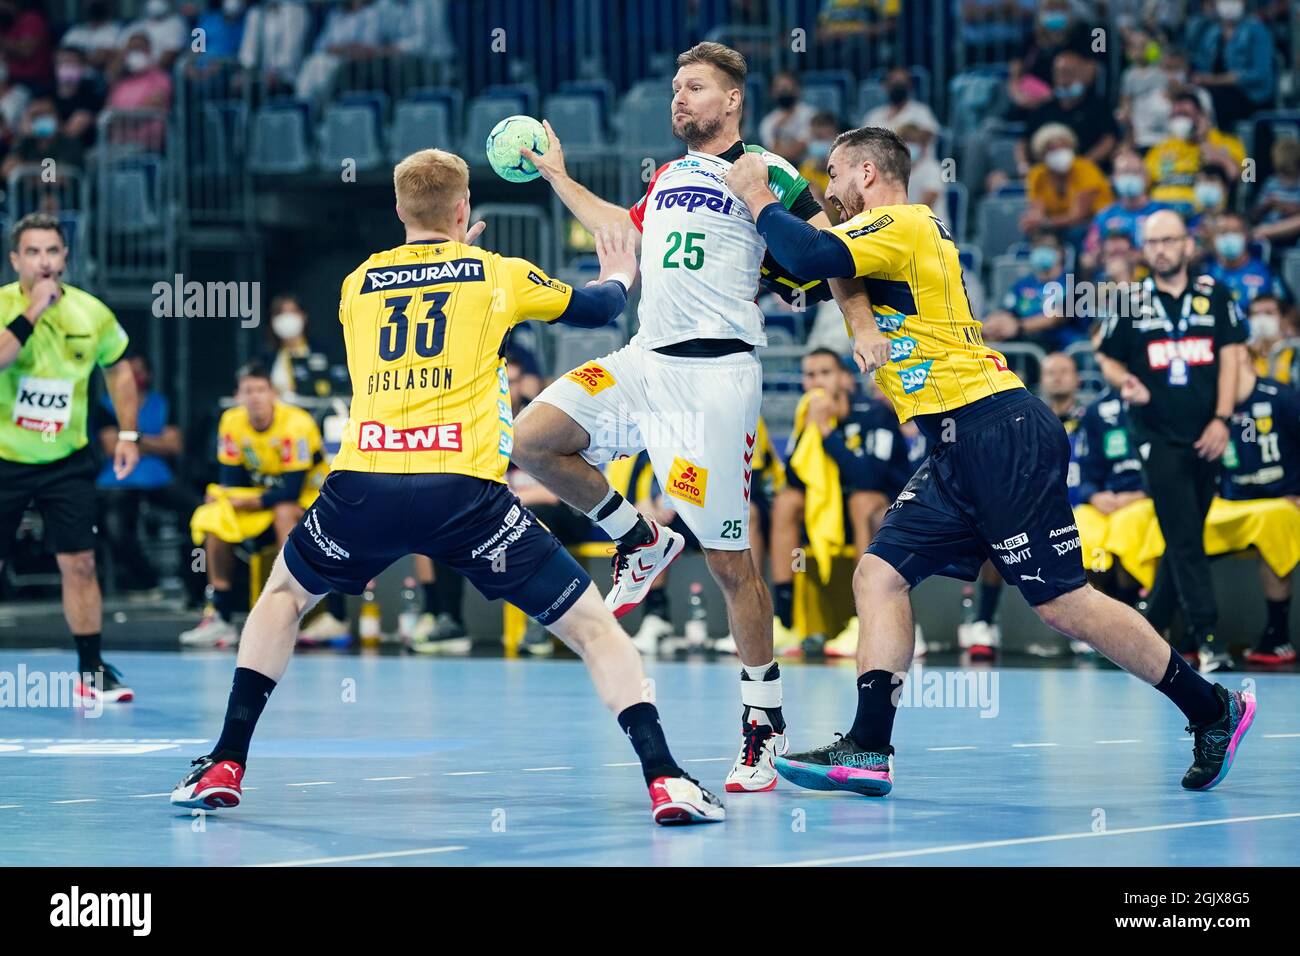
(635, 571)
(104, 684)
(1277, 654)
(754, 771)
(211, 785)
(680, 800)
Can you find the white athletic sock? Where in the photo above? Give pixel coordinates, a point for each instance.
(618, 522)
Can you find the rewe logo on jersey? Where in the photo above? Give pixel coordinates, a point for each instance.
(376, 436)
(1193, 351)
(592, 377)
(410, 277)
(688, 482)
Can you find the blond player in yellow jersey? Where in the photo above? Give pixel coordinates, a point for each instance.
(994, 485)
(422, 470)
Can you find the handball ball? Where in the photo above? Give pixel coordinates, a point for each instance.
(507, 138)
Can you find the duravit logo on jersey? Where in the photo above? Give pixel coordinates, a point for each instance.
(901, 348)
(691, 198)
(914, 378)
(432, 273)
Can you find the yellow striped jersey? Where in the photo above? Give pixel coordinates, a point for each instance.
(424, 325)
(292, 442)
(937, 357)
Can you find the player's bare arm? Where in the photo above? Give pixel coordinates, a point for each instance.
(593, 212)
(126, 402)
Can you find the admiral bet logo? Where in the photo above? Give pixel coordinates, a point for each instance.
(688, 482)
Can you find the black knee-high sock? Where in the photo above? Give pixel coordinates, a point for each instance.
(451, 589)
(222, 603)
(248, 695)
(990, 594)
(1279, 613)
(874, 724)
(432, 603)
(641, 724)
(336, 605)
(783, 602)
(656, 603)
(87, 651)
(1190, 692)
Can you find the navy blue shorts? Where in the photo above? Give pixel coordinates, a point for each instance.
(996, 490)
(362, 523)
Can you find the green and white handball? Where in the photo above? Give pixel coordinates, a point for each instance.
(506, 139)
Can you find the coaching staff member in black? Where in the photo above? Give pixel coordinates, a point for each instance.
(1175, 359)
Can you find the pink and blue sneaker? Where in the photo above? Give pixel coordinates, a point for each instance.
(841, 765)
(1215, 744)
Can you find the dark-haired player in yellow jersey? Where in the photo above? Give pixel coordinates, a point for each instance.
(422, 471)
(994, 485)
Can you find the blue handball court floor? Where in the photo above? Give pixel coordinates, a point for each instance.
(399, 761)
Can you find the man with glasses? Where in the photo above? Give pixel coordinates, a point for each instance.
(1175, 357)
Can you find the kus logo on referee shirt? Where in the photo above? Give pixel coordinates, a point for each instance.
(592, 377)
(688, 482)
(376, 436)
(431, 273)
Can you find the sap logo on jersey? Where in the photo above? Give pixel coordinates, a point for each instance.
(691, 198)
(688, 482)
(592, 377)
(1193, 351)
(376, 436)
(914, 378)
(901, 348)
(410, 277)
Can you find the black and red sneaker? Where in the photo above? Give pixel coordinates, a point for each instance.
(212, 784)
(104, 683)
(1270, 652)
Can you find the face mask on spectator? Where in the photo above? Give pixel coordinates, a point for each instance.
(1054, 19)
(232, 8)
(287, 325)
(1209, 195)
(1042, 258)
(45, 125)
(69, 74)
(1071, 91)
(1182, 127)
(819, 149)
(1231, 9)
(156, 9)
(1128, 185)
(1264, 325)
(137, 61)
(1230, 245)
(898, 93)
(1059, 160)
(785, 99)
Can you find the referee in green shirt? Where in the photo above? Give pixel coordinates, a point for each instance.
(52, 336)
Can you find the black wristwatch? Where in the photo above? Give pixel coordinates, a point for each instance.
(1226, 419)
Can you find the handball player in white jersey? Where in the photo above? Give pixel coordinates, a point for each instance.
(687, 388)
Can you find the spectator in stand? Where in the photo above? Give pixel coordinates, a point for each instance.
(27, 44)
(357, 30)
(1127, 213)
(1065, 190)
(787, 129)
(41, 140)
(1271, 322)
(422, 28)
(1277, 210)
(78, 95)
(97, 36)
(14, 98)
(1033, 308)
(167, 31)
(1213, 194)
(901, 109)
(141, 84)
(1029, 84)
(1193, 142)
(1144, 89)
(275, 38)
(1076, 104)
(1233, 264)
(223, 27)
(1233, 60)
(822, 132)
(926, 185)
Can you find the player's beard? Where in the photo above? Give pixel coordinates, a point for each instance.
(696, 133)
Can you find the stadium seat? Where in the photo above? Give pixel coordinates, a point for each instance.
(645, 126)
(974, 96)
(1006, 271)
(483, 113)
(577, 119)
(350, 130)
(870, 95)
(451, 98)
(419, 124)
(525, 93)
(279, 140)
(575, 346)
(825, 97)
(998, 225)
(132, 201)
(602, 90)
(1290, 269)
(958, 208)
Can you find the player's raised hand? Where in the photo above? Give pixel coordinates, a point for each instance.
(747, 176)
(45, 292)
(550, 163)
(474, 231)
(870, 350)
(616, 250)
(1134, 392)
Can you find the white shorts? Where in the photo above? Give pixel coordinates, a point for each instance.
(697, 418)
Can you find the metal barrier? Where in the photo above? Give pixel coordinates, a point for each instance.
(209, 158)
(1023, 358)
(519, 230)
(62, 191)
(1091, 382)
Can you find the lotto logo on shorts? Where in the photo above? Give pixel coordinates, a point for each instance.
(594, 378)
(376, 436)
(688, 482)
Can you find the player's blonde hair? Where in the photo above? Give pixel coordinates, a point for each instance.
(724, 58)
(428, 186)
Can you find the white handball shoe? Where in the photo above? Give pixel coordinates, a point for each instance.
(653, 629)
(681, 800)
(635, 571)
(754, 770)
(212, 631)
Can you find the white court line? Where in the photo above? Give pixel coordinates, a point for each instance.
(1025, 841)
(468, 773)
(1130, 741)
(937, 749)
(141, 796)
(312, 783)
(1034, 745)
(630, 763)
(11, 806)
(377, 779)
(1278, 736)
(543, 769)
(363, 856)
(707, 760)
(82, 800)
